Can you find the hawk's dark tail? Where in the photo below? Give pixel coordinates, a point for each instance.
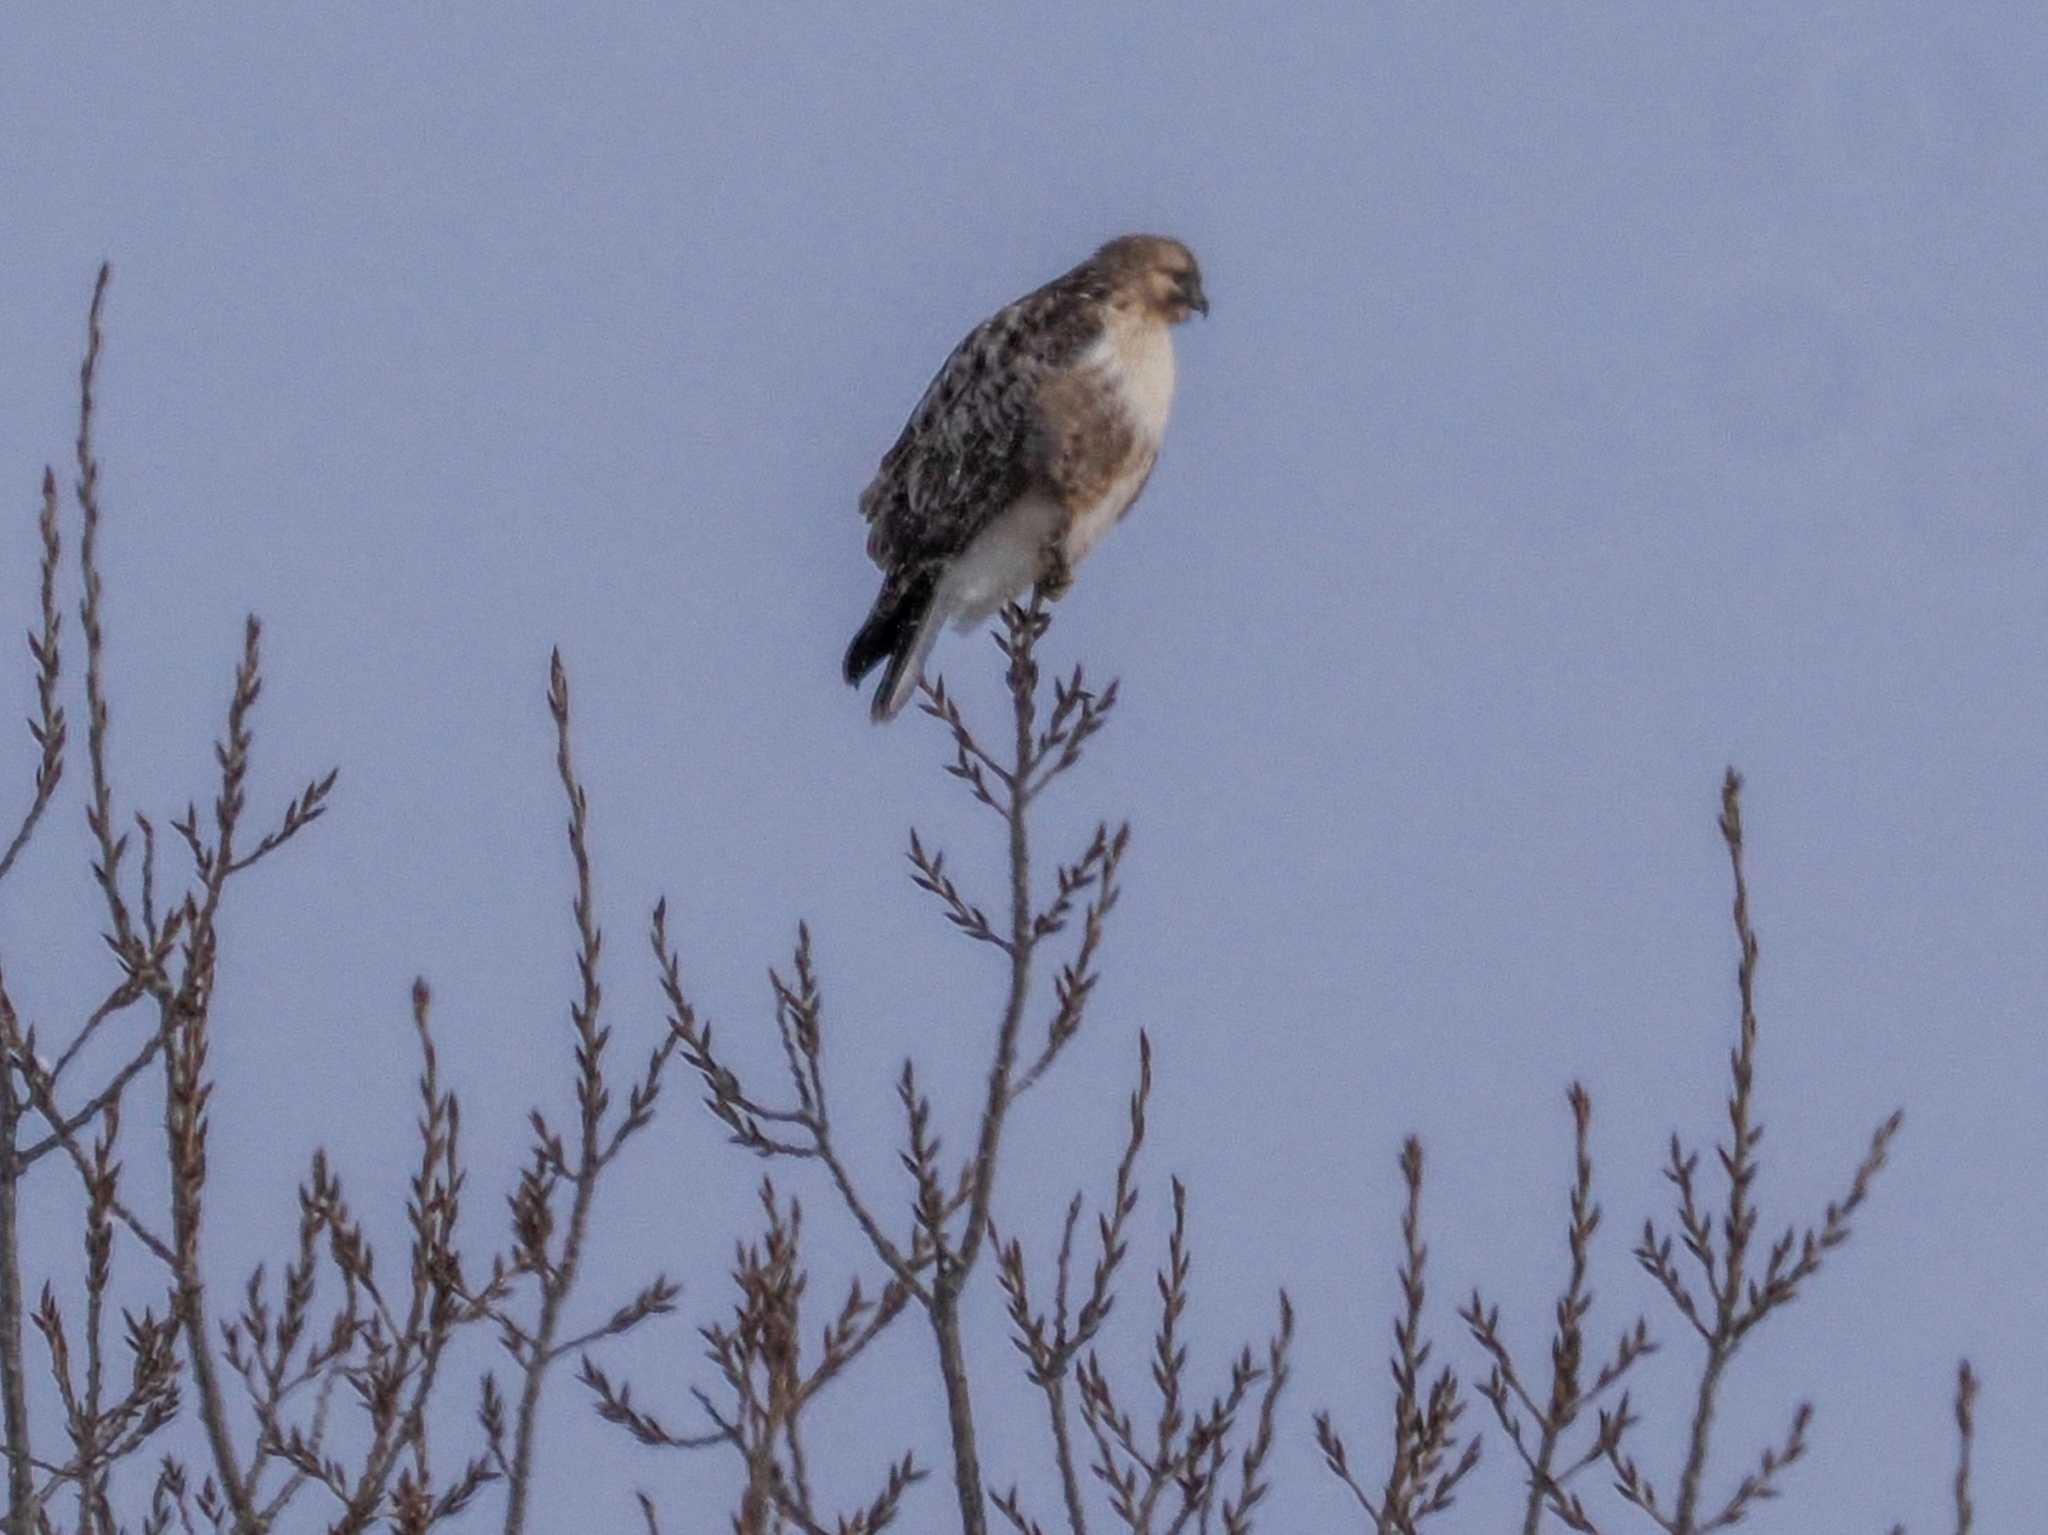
(900, 629)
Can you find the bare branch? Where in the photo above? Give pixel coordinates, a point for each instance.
(1418, 1482)
(47, 729)
(557, 1264)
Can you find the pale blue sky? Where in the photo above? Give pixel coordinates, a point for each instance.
(1592, 397)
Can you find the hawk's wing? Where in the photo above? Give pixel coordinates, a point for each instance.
(972, 447)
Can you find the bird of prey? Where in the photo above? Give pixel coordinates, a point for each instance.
(1034, 438)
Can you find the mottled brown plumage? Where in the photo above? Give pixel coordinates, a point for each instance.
(1035, 437)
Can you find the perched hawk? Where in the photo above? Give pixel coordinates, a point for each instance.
(1033, 439)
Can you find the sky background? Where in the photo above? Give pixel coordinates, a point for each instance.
(1594, 397)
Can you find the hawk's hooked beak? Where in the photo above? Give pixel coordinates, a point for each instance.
(1190, 293)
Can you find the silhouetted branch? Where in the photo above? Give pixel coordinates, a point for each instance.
(1568, 1394)
(556, 1268)
(1740, 1296)
(47, 729)
(1418, 1483)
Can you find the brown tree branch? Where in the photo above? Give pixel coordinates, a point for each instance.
(558, 1270)
(47, 729)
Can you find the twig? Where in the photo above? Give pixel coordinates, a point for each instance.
(1966, 1434)
(1741, 1293)
(183, 1027)
(13, 1379)
(1569, 1395)
(47, 728)
(1022, 629)
(533, 1216)
(1425, 1432)
(99, 812)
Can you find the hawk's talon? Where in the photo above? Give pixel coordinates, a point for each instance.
(1058, 575)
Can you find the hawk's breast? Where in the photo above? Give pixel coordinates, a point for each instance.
(1140, 360)
(1131, 368)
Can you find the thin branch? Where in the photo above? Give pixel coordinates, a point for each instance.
(1966, 1436)
(65, 1127)
(1569, 1395)
(557, 1270)
(1418, 1482)
(183, 1027)
(1022, 628)
(64, 1131)
(47, 729)
(13, 1371)
(99, 812)
(1743, 1290)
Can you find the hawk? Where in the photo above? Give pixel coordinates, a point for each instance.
(1034, 438)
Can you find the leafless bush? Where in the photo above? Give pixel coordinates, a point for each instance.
(380, 1345)
(928, 1259)
(1739, 1297)
(315, 1398)
(1549, 1464)
(1740, 1293)
(1429, 1458)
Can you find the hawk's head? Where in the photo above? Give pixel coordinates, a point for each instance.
(1157, 273)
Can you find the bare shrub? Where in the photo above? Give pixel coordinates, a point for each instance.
(317, 1397)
